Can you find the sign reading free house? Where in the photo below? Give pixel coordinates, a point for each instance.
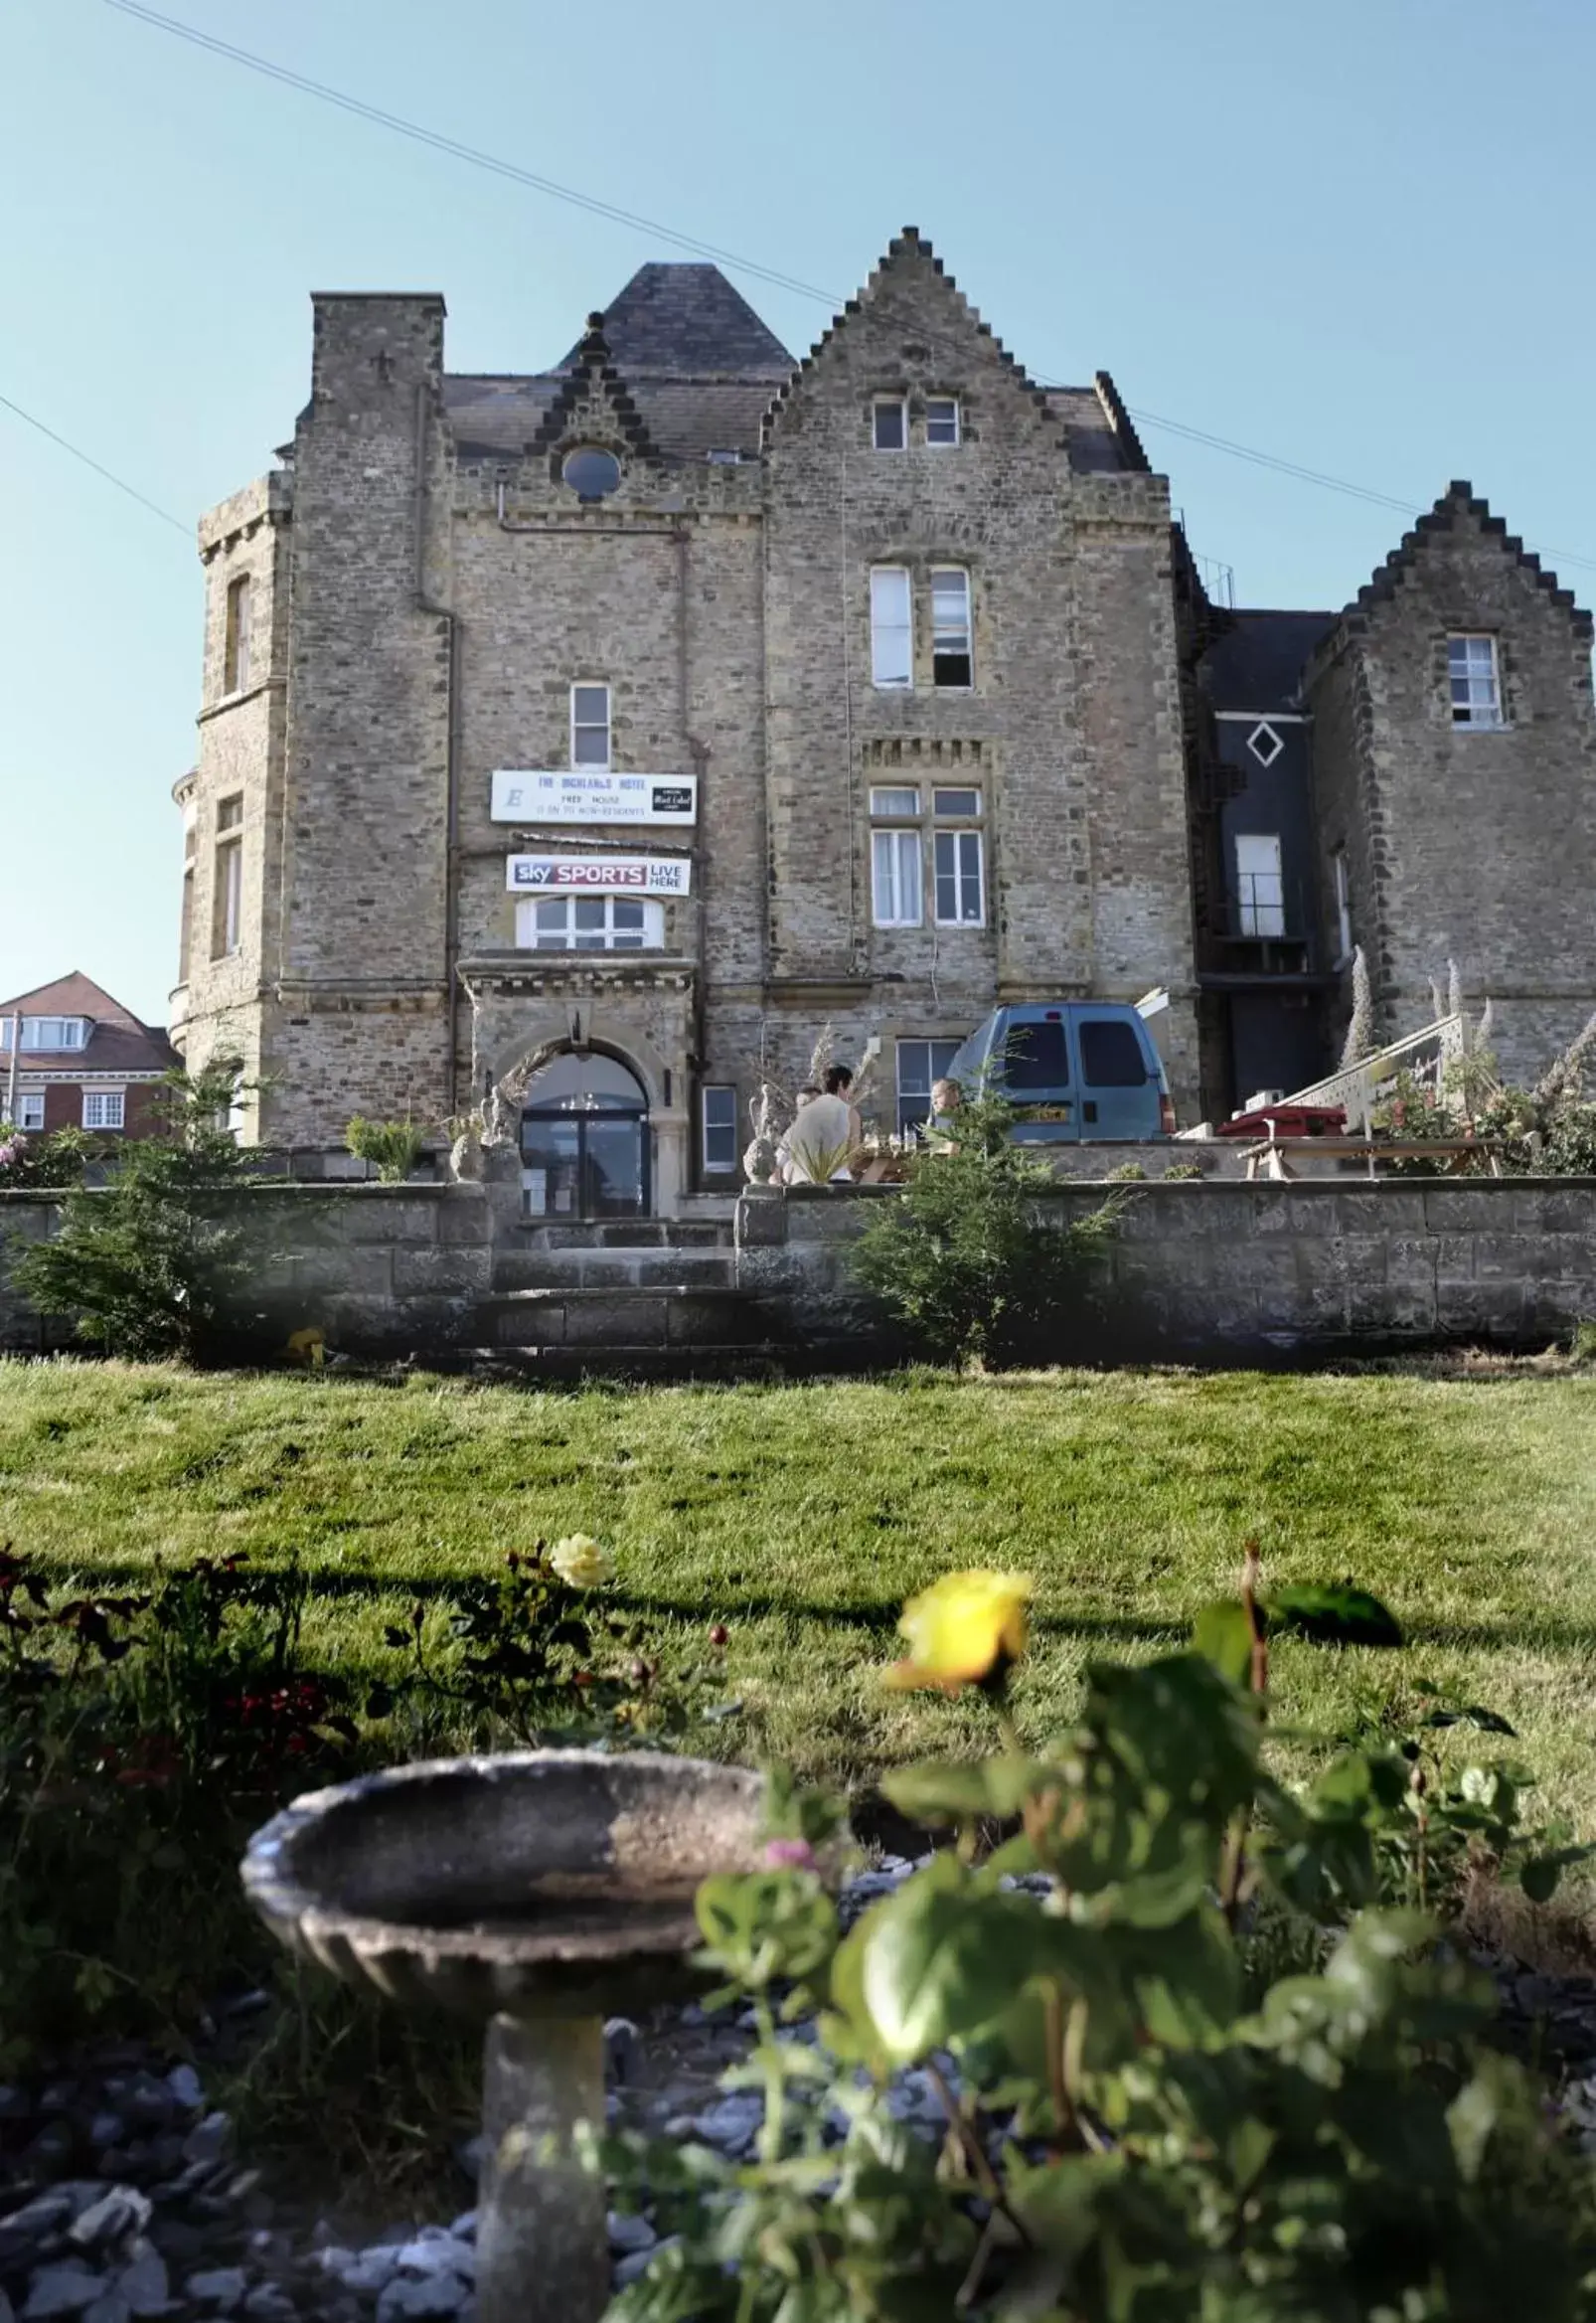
(598, 875)
(588, 795)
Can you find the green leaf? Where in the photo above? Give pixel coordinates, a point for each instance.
(1223, 1634)
(1334, 1613)
(1188, 1980)
(1540, 1875)
(941, 1959)
(950, 1791)
(765, 1926)
(1471, 2117)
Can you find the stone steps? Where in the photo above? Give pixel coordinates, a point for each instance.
(661, 1316)
(626, 1233)
(702, 1265)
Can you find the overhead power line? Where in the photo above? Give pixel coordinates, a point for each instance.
(121, 483)
(499, 167)
(461, 152)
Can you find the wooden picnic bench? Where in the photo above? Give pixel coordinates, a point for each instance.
(1273, 1157)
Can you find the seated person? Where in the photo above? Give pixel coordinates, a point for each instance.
(825, 1134)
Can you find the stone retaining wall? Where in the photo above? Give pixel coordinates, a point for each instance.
(1215, 1271)
(1233, 1272)
(382, 1269)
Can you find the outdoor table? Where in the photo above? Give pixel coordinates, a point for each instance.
(1273, 1157)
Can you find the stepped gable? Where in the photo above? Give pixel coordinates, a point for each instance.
(595, 382)
(694, 363)
(1459, 498)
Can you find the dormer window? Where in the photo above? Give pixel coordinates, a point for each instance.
(49, 1033)
(591, 473)
(891, 423)
(942, 420)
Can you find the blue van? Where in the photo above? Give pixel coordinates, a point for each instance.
(1088, 1067)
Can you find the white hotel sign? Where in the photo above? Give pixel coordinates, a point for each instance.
(588, 795)
(598, 875)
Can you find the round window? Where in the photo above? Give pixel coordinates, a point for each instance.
(590, 473)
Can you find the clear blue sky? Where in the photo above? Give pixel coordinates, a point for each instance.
(1356, 237)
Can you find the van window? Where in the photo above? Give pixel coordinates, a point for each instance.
(1111, 1056)
(1036, 1058)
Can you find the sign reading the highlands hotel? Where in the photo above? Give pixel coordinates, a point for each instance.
(598, 875)
(592, 795)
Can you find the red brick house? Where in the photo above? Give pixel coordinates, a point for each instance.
(72, 1057)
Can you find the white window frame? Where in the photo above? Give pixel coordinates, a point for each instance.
(64, 1033)
(105, 1108)
(956, 814)
(961, 847)
(30, 1109)
(886, 802)
(892, 639)
(897, 404)
(1480, 673)
(226, 902)
(896, 878)
(605, 764)
(1260, 912)
(534, 933)
(1344, 906)
(919, 1098)
(942, 631)
(724, 1129)
(944, 443)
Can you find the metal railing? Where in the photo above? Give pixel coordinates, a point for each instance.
(1425, 1055)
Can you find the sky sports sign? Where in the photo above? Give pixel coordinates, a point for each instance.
(591, 795)
(597, 874)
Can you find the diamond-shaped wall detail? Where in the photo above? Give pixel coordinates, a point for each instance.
(1264, 743)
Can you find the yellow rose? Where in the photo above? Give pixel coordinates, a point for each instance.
(581, 1561)
(964, 1629)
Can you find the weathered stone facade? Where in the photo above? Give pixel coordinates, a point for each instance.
(1464, 843)
(426, 588)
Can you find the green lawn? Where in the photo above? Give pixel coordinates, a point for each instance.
(803, 1515)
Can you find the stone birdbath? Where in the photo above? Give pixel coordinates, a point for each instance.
(539, 1891)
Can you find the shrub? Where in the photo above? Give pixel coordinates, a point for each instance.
(151, 1264)
(1182, 1173)
(1125, 2130)
(1126, 1173)
(145, 1733)
(395, 1147)
(960, 1259)
(57, 1159)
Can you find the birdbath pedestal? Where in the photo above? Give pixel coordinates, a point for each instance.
(539, 1892)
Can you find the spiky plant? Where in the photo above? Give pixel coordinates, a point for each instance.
(1360, 1042)
(1565, 1075)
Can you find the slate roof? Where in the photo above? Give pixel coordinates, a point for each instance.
(1257, 660)
(687, 319)
(702, 370)
(118, 1040)
(685, 416)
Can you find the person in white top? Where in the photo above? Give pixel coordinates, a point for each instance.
(825, 1135)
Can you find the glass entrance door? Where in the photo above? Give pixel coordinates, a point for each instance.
(585, 1141)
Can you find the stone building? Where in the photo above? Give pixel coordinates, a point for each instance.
(652, 710)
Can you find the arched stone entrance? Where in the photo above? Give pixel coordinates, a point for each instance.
(585, 1140)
